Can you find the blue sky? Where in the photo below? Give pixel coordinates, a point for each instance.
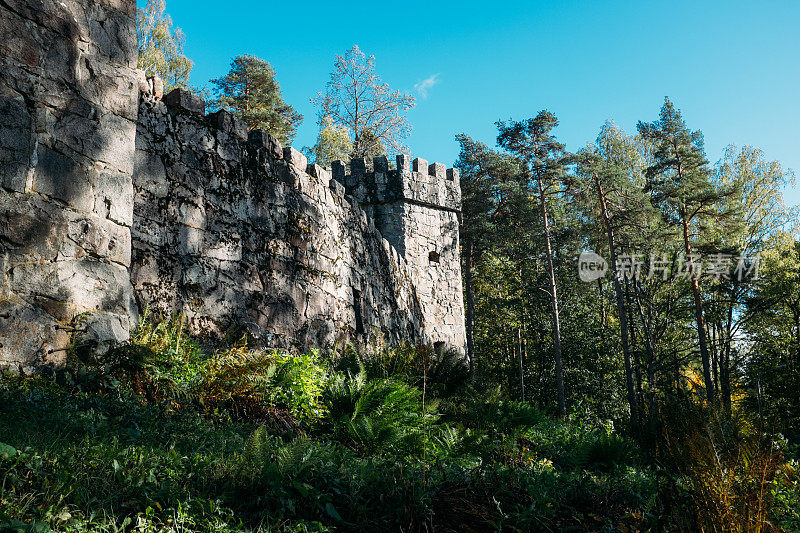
(733, 68)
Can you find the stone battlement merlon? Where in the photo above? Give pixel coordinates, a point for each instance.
(372, 182)
(368, 181)
(183, 101)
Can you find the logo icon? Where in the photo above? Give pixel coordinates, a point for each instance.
(591, 267)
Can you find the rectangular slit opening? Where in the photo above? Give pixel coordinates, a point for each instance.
(438, 348)
(358, 311)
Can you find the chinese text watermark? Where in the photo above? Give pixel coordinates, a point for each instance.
(719, 266)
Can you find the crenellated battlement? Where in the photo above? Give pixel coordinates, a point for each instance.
(116, 197)
(373, 182)
(369, 181)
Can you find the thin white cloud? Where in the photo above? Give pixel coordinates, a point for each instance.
(425, 85)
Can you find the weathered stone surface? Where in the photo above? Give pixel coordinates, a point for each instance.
(158, 87)
(437, 170)
(265, 140)
(417, 212)
(112, 198)
(30, 336)
(229, 123)
(261, 242)
(321, 173)
(337, 188)
(339, 170)
(295, 158)
(184, 100)
(16, 143)
(403, 163)
(68, 105)
(145, 84)
(38, 228)
(380, 164)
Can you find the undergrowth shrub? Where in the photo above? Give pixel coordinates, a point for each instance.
(164, 364)
(785, 510)
(732, 471)
(237, 379)
(298, 383)
(373, 415)
(441, 373)
(312, 480)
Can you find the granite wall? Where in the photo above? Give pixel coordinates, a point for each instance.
(235, 231)
(416, 207)
(115, 200)
(68, 107)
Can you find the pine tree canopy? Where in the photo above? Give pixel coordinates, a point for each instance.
(251, 91)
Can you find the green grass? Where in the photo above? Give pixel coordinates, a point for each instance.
(238, 440)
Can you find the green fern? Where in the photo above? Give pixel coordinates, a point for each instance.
(378, 414)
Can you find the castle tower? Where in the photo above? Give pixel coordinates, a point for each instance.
(416, 207)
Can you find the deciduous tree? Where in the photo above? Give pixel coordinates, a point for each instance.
(333, 143)
(161, 46)
(759, 214)
(373, 114)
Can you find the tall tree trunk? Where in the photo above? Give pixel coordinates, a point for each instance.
(726, 337)
(698, 311)
(797, 332)
(521, 373)
(712, 336)
(651, 353)
(676, 369)
(553, 302)
(623, 316)
(796, 365)
(602, 312)
(470, 311)
(725, 387)
(635, 352)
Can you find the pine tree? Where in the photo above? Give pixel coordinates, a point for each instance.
(679, 183)
(544, 161)
(251, 91)
(487, 181)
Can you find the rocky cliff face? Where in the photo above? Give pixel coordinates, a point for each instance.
(114, 200)
(68, 108)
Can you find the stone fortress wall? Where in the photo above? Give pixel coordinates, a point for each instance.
(68, 110)
(416, 207)
(114, 200)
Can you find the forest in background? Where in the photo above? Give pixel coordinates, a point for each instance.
(700, 298)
